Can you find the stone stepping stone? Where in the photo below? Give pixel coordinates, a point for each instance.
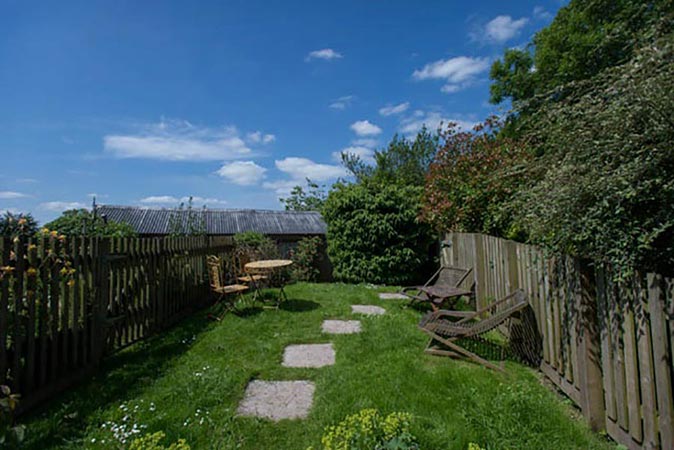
(341, 326)
(370, 310)
(392, 296)
(309, 355)
(277, 400)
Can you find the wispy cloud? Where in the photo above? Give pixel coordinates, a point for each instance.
(259, 137)
(178, 140)
(366, 154)
(11, 195)
(342, 102)
(540, 13)
(59, 206)
(326, 54)
(500, 29)
(365, 128)
(458, 72)
(298, 169)
(243, 173)
(390, 110)
(164, 200)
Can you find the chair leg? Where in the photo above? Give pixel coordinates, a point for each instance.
(463, 352)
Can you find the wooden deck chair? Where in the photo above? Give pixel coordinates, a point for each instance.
(221, 289)
(442, 330)
(445, 276)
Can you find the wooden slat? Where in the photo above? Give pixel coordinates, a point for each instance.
(18, 332)
(662, 357)
(31, 319)
(631, 369)
(606, 345)
(645, 359)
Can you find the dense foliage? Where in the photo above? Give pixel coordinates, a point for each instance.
(81, 222)
(374, 234)
(604, 184)
(474, 173)
(17, 225)
(311, 199)
(307, 257)
(253, 245)
(585, 38)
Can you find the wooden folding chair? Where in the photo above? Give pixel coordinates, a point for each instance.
(445, 276)
(446, 332)
(228, 294)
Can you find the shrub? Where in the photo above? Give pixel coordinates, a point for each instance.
(10, 433)
(255, 245)
(81, 222)
(374, 234)
(307, 257)
(472, 176)
(17, 225)
(369, 430)
(151, 442)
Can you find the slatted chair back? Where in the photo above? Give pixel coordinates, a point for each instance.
(450, 276)
(215, 272)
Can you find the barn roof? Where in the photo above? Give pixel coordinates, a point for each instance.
(219, 221)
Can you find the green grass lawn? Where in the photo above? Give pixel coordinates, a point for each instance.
(188, 383)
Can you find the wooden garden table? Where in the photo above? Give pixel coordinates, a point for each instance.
(268, 266)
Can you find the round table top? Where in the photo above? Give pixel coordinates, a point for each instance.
(268, 264)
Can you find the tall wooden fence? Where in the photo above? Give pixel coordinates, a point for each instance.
(66, 303)
(608, 345)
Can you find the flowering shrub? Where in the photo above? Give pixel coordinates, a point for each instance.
(369, 430)
(472, 176)
(151, 442)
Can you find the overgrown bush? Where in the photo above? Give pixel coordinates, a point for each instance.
(255, 245)
(81, 222)
(17, 225)
(369, 430)
(471, 177)
(604, 185)
(374, 234)
(306, 257)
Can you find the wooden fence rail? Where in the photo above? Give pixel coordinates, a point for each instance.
(66, 303)
(607, 345)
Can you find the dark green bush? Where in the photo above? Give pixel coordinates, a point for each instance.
(81, 222)
(374, 234)
(306, 257)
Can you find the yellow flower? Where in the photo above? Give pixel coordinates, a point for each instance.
(31, 272)
(71, 283)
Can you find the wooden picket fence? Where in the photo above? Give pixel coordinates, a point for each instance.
(67, 303)
(607, 345)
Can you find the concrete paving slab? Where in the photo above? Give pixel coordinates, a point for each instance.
(341, 326)
(370, 310)
(277, 400)
(309, 355)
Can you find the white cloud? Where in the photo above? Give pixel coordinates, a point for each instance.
(541, 14)
(394, 109)
(458, 72)
(411, 125)
(175, 201)
(342, 102)
(60, 206)
(301, 168)
(10, 195)
(365, 128)
(503, 28)
(326, 54)
(258, 137)
(364, 153)
(178, 140)
(282, 187)
(243, 173)
(365, 142)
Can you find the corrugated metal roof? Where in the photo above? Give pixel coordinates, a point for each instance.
(219, 221)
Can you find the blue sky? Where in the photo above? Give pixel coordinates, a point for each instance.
(146, 103)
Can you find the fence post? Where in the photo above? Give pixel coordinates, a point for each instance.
(99, 311)
(589, 344)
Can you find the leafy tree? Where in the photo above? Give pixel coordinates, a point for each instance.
(403, 161)
(374, 234)
(307, 257)
(17, 225)
(81, 222)
(310, 200)
(603, 187)
(473, 175)
(586, 37)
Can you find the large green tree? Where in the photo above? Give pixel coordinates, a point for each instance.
(585, 37)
